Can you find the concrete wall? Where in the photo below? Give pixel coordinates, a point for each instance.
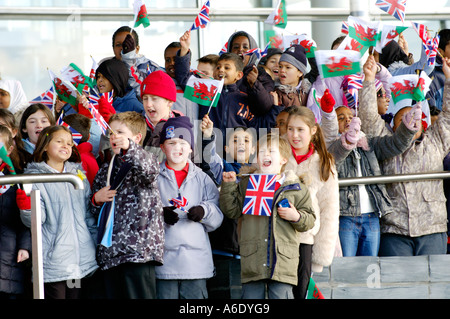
(420, 277)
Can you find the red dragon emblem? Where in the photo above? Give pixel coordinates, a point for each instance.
(364, 35)
(61, 88)
(202, 91)
(344, 63)
(399, 88)
(307, 45)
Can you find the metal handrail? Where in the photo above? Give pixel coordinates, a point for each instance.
(75, 180)
(386, 179)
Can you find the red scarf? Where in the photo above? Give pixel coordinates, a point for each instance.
(301, 158)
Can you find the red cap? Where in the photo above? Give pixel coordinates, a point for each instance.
(159, 83)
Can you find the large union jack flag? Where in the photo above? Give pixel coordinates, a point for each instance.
(45, 98)
(395, 8)
(259, 195)
(202, 18)
(430, 44)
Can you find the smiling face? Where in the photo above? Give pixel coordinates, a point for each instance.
(240, 146)
(299, 134)
(59, 149)
(240, 45)
(289, 74)
(226, 69)
(177, 152)
(273, 64)
(34, 125)
(169, 61)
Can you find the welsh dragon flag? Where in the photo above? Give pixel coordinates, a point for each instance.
(140, 14)
(304, 40)
(365, 32)
(389, 31)
(333, 63)
(64, 89)
(422, 86)
(278, 17)
(313, 291)
(73, 74)
(351, 44)
(409, 86)
(6, 159)
(203, 91)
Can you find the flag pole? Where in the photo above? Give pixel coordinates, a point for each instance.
(213, 100)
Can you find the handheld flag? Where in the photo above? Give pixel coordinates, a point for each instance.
(351, 44)
(429, 44)
(422, 86)
(76, 136)
(224, 49)
(275, 40)
(396, 8)
(313, 291)
(344, 28)
(304, 40)
(140, 14)
(92, 73)
(6, 159)
(388, 33)
(278, 17)
(402, 87)
(73, 74)
(333, 63)
(46, 98)
(203, 91)
(64, 89)
(202, 18)
(365, 32)
(259, 195)
(180, 203)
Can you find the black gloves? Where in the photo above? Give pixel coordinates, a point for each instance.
(170, 217)
(128, 44)
(196, 213)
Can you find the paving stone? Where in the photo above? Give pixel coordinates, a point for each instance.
(404, 269)
(439, 268)
(352, 270)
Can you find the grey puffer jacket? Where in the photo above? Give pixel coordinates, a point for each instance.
(419, 206)
(68, 227)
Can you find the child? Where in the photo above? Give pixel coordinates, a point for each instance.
(35, 118)
(187, 251)
(255, 81)
(233, 108)
(311, 161)
(112, 76)
(8, 120)
(12, 97)
(15, 238)
(207, 64)
(269, 245)
(68, 227)
(419, 223)
(294, 88)
(82, 125)
(271, 63)
(125, 189)
(361, 205)
(158, 96)
(125, 42)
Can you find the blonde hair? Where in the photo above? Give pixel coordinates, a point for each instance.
(275, 140)
(133, 120)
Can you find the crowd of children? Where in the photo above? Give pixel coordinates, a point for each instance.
(166, 197)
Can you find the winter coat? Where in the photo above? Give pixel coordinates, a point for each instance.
(376, 149)
(419, 206)
(187, 251)
(68, 227)
(292, 96)
(14, 235)
(128, 102)
(325, 200)
(269, 246)
(138, 232)
(434, 95)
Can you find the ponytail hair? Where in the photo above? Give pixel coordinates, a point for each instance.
(318, 140)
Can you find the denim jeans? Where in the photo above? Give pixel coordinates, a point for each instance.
(360, 235)
(398, 245)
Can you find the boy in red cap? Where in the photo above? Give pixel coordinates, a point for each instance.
(158, 94)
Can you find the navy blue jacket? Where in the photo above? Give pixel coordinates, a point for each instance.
(128, 102)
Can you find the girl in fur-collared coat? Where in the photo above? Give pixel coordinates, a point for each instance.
(311, 161)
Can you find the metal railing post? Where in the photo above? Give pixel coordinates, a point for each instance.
(36, 241)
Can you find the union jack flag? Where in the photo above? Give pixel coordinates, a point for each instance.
(224, 49)
(202, 18)
(259, 195)
(179, 202)
(45, 98)
(94, 98)
(259, 53)
(76, 136)
(421, 30)
(344, 28)
(430, 45)
(395, 8)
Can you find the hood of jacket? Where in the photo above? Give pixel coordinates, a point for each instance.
(251, 40)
